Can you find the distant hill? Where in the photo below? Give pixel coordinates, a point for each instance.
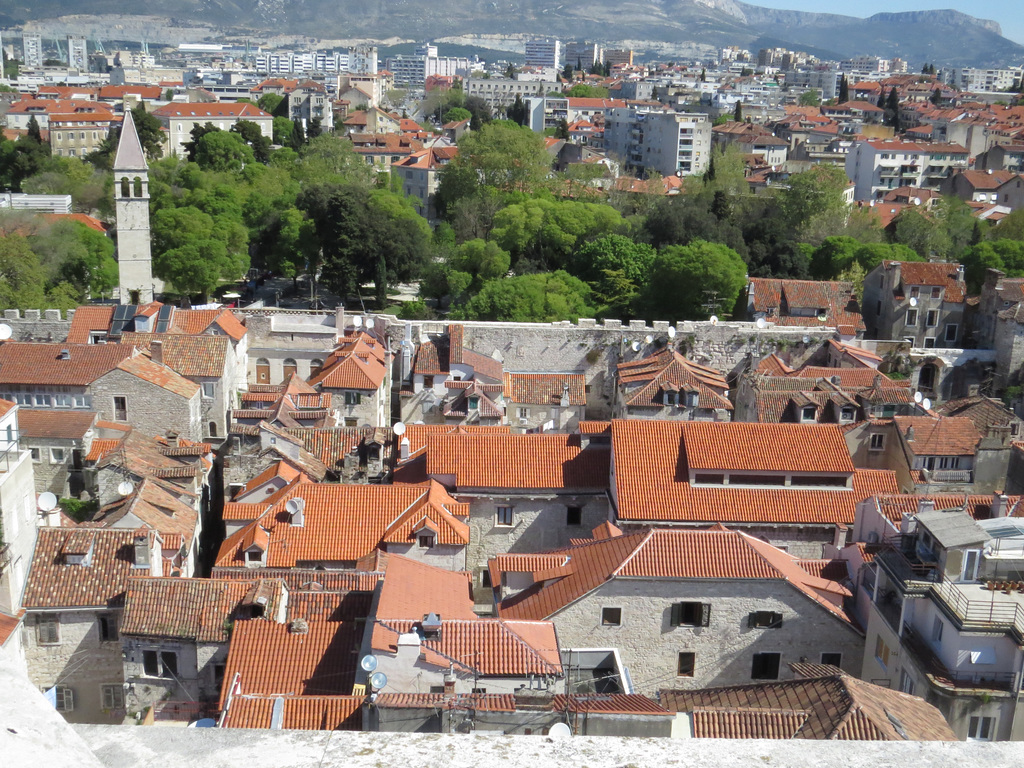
(943, 37)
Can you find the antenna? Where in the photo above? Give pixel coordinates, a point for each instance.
(918, 397)
(378, 680)
(913, 301)
(671, 332)
(5, 332)
(46, 502)
(713, 319)
(926, 404)
(399, 428)
(368, 663)
(357, 322)
(761, 323)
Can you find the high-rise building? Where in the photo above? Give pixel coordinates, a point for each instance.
(78, 55)
(362, 60)
(543, 53)
(32, 51)
(671, 143)
(131, 207)
(582, 55)
(613, 56)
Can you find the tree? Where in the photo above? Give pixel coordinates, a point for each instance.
(480, 111)
(282, 130)
(737, 113)
(196, 251)
(507, 156)
(197, 133)
(613, 253)
(562, 130)
(1005, 255)
(457, 115)
(298, 137)
(315, 128)
(479, 261)
(567, 72)
(518, 112)
(810, 99)
(71, 252)
(812, 194)
(223, 151)
(253, 136)
(841, 255)
(22, 280)
(686, 279)
(892, 110)
(585, 91)
(538, 298)
(269, 102)
(920, 233)
(32, 131)
(510, 71)
(151, 132)
(936, 97)
(844, 90)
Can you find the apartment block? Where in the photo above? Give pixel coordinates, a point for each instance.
(877, 166)
(669, 143)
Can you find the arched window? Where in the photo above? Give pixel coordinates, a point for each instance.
(926, 379)
(262, 371)
(315, 366)
(290, 367)
(138, 186)
(125, 191)
(213, 429)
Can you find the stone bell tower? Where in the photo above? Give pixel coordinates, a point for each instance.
(131, 200)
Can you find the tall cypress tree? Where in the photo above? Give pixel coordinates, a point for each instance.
(844, 90)
(737, 114)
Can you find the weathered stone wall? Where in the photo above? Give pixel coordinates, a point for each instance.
(48, 325)
(196, 679)
(724, 650)
(152, 409)
(447, 556)
(80, 660)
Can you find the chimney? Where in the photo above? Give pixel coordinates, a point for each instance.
(910, 434)
(925, 505)
(156, 351)
(403, 449)
(839, 537)
(298, 627)
(564, 402)
(1000, 505)
(449, 684)
(960, 273)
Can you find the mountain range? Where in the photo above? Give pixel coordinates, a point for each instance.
(943, 37)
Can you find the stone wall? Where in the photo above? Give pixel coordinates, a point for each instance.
(48, 325)
(80, 660)
(152, 409)
(724, 650)
(196, 677)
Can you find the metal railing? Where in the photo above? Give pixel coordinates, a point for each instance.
(180, 711)
(932, 665)
(949, 475)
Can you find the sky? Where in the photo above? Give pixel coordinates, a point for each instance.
(1006, 12)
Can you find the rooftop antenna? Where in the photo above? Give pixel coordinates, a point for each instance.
(926, 404)
(761, 323)
(713, 319)
(47, 502)
(378, 680)
(368, 663)
(918, 397)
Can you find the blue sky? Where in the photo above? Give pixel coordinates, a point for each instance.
(1006, 12)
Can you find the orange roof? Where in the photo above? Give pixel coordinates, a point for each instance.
(68, 425)
(162, 376)
(643, 381)
(358, 363)
(412, 589)
(439, 515)
(37, 363)
(517, 461)
(545, 388)
(305, 713)
(191, 356)
(87, 318)
(931, 274)
(82, 218)
(651, 479)
(211, 109)
(101, 447)
(8, 624)
(608, 704)
(939, 436)
(741, 446)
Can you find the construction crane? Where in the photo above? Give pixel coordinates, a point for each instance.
(60, 50)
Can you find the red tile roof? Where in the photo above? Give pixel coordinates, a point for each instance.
(191, 356)
(644, 380)
(747, 723)
(89, 318)
(8, 625)
(517, 461)
(61, 425)
(608, 704)
(35, 363)
(412, 589)
(162, 376)
(742, 446)
(208, 110)
(939, 436)
(307, 579)
(545, 388)
(305, 713)
(779, 298)
(939, 274)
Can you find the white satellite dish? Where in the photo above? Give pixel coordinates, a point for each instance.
(671, 332)
(913, 301)
(125, 487)
(295, 505)
(399, 428)
(5, 331)
(635, 346)
(915, 200)
(369, 323)
(713, 319)
(761, 323)
(807, 339)
(926, 404)
(368, 663)
(918, 397)
(47, 502)
(357, 322)
(560, 731)
(378, 680)
(648, 339)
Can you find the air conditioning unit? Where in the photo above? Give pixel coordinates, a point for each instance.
(523, 422)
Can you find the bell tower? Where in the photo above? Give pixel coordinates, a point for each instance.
(131, 201)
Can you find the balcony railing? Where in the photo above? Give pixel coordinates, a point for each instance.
(180, 711)
(949, 475)
(933, 667)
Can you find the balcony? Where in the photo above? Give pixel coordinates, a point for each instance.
(941, 676)
(948, 475)
(180, 711)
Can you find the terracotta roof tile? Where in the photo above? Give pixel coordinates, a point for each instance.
(102, 447)
(741, 446)
(413, 589)
(517, 461)
(89, 318)
(939, 436)
(156, 508)
(32, 363)
(305, 713)
(355, 365)
(643, 381)
(307, 579)
(191, 356)
(939, 274)
(545, 388)
(66, 425)
(779, 300)
(8, 625)
(747, 723)
(163, 377)
(608, 704)
(982, 411)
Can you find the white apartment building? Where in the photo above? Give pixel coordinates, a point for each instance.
(585, 55)
(543, 53)
(502, 92)
(877, 166)
(982, 80)
(78, 55)
(671, 143)
(424, 63)
(32, 51)
(180, 119)
(865, 64)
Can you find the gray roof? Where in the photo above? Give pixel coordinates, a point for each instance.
(952, 528)
(130, 156)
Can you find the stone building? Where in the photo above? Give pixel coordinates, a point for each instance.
(805, 302)
(73, 603)
(684, 608)
(918, 302)
(665, 385)
(549, 402)
(59, 442)
(136, 283)
(357, 376)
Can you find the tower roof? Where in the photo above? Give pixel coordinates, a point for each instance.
(130, 156)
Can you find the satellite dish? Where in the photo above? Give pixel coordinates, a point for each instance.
(807, 339)
(560, 731)
(399, 428)
(913, 301)
(916, 200)
(378, 680)
(369, 323)
(761, 323)
(5, 331)
(46, 501)
(295, 505)
(671, 332)
(357, 322)
(125, 487)
(926, 404)
(635, 346)
(713, 319)
(648, 339)
(918, 397)
(368, 663)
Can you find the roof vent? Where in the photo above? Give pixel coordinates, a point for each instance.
(65, 354)
(296, 508)
(910, 434)
(431, 625)
(298, 627)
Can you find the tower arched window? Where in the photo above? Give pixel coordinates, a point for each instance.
(125, 192)
(138, 186)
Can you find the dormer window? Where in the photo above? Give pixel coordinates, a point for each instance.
(141, 552)
(426, 540)
(808, 413)
(474, 403)
(691, 398)
(847, 414)
(253, 557)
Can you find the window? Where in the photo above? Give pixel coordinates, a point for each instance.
(65, 699)
(906, 682)
(56, 455)
(932, 318)
(937, 630)
(169, 661)
(208, 387)
(474, 403)
(290, 368)
(686, 664)
(847, 414)
(62, 401)
(504, 516)
(951, 331)
(690, 615)
(353, 398)
(43, 400)
(426, 541)
(911, 317)
(112, 696)
(981, 729)
(835, 659)
(765, 666)
(574, 516)
(485, 579)
(808, 413)
(35, 454)
(48, 629)
(428, 382)
(881, 652)
(160, 663)
(120, 408)
(764, 619)
(611, 617)
(523, 413)
(107, 624)
(936, 292)
(929, 342)
(877, 441)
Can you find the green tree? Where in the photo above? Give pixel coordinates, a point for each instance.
(196, 251)
(1005, 255)
(1010, 228)
(540, 298)
(507, 156)
(151, 132)
(22, 279)
(223, 151)
(191, 147)
(518, 112)
(685, 279)
(71, 252)
(480, 111)
(616, 253)
(844, 90)
(810, 99)
(812, 195)
(585, 91)
(253, 136)
(921, 234)
(457, 115)
(562, 130)
(737, 113)
(282, 129)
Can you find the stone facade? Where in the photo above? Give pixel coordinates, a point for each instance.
(151, 409)
(200, 671)
(47, 325)
(724, 650)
